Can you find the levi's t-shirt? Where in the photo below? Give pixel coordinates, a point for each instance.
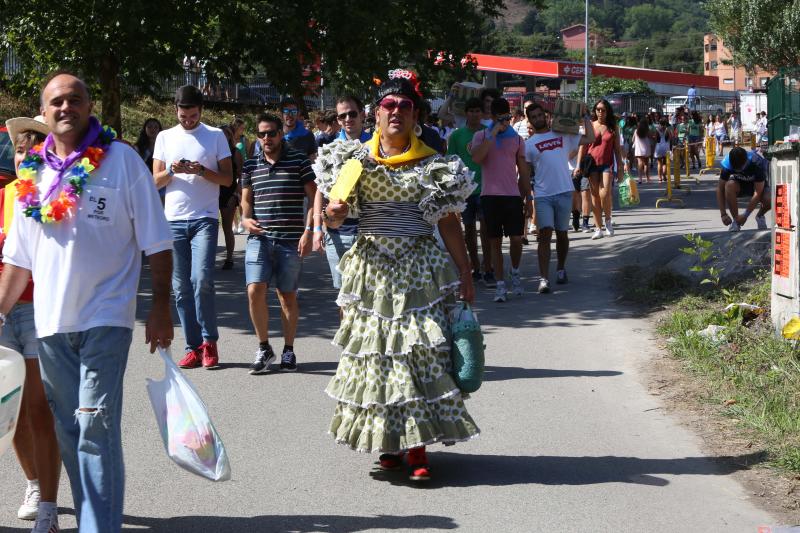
(499, 168)
(86, 268)
(190, 196)
(549, 154)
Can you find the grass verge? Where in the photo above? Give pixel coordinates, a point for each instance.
(753, 374)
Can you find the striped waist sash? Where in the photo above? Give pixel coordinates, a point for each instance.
(392, 219)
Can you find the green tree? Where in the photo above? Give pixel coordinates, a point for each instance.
(644, 20)
(600, 86)
(139, 43)
(105, 42)
(763, 33)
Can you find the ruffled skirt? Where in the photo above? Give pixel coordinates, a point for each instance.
(393, 384)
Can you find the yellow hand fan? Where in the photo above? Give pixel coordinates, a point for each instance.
(346, 180)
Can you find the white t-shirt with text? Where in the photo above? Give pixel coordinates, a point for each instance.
(549, 155)
(189, 196)
(86, 268)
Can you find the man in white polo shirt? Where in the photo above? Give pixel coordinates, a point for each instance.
(192, 160)
(85, 260)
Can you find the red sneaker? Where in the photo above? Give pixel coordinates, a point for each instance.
(390, 461)
(210, 356)
(192, 359)
(418, 465)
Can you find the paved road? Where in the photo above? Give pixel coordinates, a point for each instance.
(571, 439)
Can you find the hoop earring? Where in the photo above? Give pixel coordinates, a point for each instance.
(417, 130)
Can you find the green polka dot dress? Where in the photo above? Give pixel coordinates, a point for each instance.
(393, 385)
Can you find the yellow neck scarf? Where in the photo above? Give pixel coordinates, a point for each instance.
(418, 150)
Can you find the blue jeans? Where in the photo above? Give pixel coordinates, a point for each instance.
(19, 333)
(273, 262)
(336, 244)
(194, 249)
(84, 370)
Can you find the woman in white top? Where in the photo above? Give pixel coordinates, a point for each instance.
(662, 148)
(720, 133)
(642, 148)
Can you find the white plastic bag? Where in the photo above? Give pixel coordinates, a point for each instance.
(12, 381)
(186, 429)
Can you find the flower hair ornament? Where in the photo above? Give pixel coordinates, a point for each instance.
(401, 82)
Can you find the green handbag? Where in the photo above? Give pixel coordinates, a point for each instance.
(467, 349)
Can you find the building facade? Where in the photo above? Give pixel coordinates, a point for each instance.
(718, 61)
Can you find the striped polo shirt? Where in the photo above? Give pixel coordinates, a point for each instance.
(278, 192)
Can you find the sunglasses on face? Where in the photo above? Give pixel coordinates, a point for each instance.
(504, 118)
(348, 114)
(290, 111)
(402, 105)
(271, 134)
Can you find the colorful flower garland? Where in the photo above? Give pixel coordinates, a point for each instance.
(64, 206)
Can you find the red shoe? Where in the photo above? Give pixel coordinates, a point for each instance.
(390, 461)
(192, 359)
(210, 356)
(418, 465)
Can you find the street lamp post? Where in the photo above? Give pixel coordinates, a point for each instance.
(644, 55)
(586, 55)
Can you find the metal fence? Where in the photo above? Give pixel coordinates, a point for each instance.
(253, 90)
(783, 104)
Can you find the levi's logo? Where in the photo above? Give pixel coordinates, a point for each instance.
(550, 144)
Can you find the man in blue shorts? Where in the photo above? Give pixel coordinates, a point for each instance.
(743, 175)
(274, 185)
(549, 153)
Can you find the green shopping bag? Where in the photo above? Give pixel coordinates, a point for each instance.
(628, 192)
(467, 349)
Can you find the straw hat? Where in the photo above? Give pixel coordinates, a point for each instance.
(19, 124)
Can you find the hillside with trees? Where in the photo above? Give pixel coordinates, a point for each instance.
(660, 34)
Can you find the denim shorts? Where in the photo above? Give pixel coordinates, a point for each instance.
(597, 169)
(273, 262)
(554, 211)
(336, 244)
(19, 333)
(473, 212)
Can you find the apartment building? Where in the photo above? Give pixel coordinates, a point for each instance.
(718, 61)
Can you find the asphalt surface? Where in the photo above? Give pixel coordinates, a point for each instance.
(571, 440)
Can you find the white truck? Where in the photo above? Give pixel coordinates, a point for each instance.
(751, 105)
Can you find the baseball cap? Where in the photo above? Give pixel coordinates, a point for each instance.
(188, 96)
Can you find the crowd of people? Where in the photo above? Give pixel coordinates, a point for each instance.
(393, 239)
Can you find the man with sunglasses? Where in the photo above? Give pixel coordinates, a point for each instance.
(274, 187)
(192, 160)
(295, 132)
(336, 241)
(501, 154)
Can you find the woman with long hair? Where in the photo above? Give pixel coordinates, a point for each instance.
(720, 133)
(246, 150)
(394, 391)
(146, 141)
(663, 141)
(605, 152)
(229, 199)
(641, 149)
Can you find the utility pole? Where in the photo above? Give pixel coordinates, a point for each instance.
(586, 55)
